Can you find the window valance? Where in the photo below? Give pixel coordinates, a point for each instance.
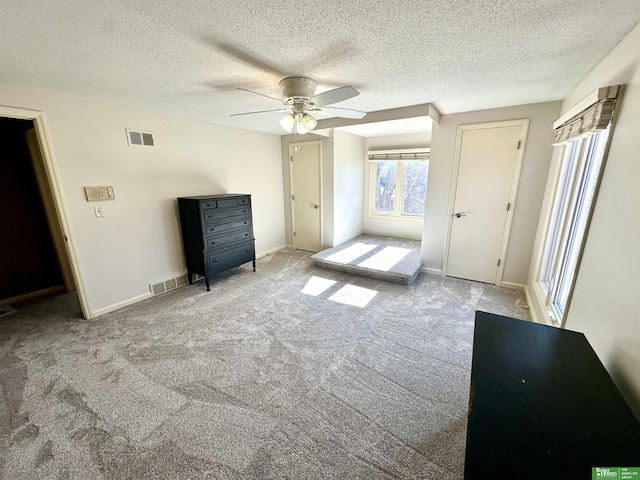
(591, 115)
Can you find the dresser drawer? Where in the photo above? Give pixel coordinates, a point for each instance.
(233, 202)
(217, 241)
(230, 224)
(228, 257)
(217, 214)
(208, 204)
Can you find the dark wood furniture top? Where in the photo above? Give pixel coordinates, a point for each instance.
(542, 405)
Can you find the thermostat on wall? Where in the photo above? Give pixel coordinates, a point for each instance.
(97, 194)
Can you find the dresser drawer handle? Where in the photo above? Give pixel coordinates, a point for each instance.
(244, 211)
(208, 204)
(247, 250)
(213, 243)
(215, 260)
(246, 223)
(246, 234)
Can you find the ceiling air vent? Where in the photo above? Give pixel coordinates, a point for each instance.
(168, 285)
(139, 138)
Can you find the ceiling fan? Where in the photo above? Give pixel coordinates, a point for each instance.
(302, 105)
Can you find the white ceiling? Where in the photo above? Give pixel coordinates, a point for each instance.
(186, 57)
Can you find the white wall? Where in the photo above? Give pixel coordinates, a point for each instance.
(138, 241)
(605, 304)
(392, 227)
(530, 191)
(327, 152)
(348, 171)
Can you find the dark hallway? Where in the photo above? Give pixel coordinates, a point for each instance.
(27, 254)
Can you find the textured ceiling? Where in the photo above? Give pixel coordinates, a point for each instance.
(186, 57)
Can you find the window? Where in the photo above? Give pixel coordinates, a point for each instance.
(398, 184)
(582, 160)
(584, 139)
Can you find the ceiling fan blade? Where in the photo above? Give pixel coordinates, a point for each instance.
(339, 112)
(281, 110)
(334, 96)
(248, 58)
(261, 94)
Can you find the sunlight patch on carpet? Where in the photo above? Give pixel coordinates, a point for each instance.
(316, 285)
(352, 295)
(386, 258)
(351, 253)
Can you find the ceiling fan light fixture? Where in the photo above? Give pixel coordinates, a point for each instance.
(300, 128)
(299, 97)
(308, 122)
(288, 122)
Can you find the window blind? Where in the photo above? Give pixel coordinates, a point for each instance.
(593, 118)
(383, 156)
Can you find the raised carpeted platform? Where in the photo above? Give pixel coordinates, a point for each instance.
(395, 260)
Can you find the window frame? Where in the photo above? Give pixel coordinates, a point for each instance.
(577, 185)
(400, 177)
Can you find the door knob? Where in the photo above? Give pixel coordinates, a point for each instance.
(314, 205)
(460, 214)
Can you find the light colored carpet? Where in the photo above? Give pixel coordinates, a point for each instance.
(273, 374)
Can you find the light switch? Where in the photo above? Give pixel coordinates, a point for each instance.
(99, 212)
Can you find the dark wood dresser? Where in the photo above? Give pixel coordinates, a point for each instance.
(542, 406)
(217, 233)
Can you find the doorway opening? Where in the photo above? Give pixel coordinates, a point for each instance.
(36, 249)
(31, 250)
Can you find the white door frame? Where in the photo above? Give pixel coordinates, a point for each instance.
(292, 193)
(523, 123)
(53, 179)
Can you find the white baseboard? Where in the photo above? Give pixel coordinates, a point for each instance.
(273, 250)
(515, 286)
(432, 271)
(119, 305)
(131, 301)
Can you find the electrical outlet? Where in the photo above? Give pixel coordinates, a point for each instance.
(99, 212)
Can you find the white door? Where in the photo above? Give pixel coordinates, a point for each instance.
(488, 163)
(305, 194)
